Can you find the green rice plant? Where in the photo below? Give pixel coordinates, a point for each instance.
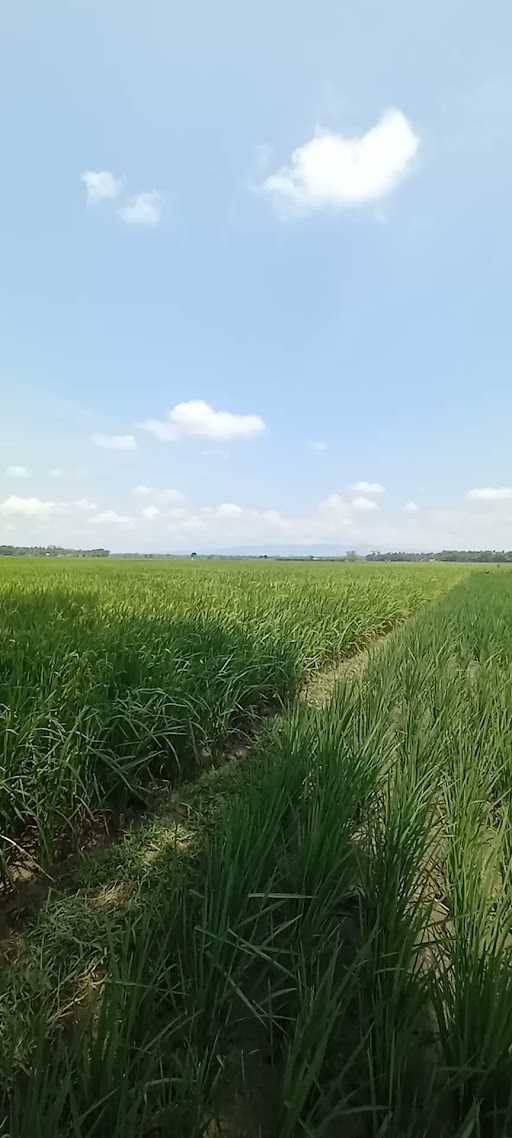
(335, 960)
(116, 674)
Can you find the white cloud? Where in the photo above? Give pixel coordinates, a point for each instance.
(114, 442)
(198, 419)
(335, 504)
(142, 209)
(151, 512)
(83, 504)
(229, 510)
(167, 494)
(17, 472)
(56, 472)
(319, 446)
(111, 517)
(335, 170)
(27, 507)
(411, 507)
(368, 488)
(490, 494)
(364, 505)
(101, 185)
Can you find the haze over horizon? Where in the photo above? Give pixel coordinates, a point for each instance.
(256, 273)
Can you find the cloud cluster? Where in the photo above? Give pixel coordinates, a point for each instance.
(197, 419)
(162, 519)
(334, 170)
(144, 208)
(17, 507)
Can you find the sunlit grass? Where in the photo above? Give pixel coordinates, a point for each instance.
(114, 675)
(315, 941)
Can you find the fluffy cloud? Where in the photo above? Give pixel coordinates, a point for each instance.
(341, 520)
(141, 491)
(142, 209)
(114, 442)
(198, 419)
(364, 505)
(101, 185)
(28, 508)
(17, 472)
(111, 518)
(368, 488)
(337, 505)
(490, 494)
(335, 170)
(229, 510)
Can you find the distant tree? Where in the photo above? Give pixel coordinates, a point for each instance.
(193, 555)
(478, 556)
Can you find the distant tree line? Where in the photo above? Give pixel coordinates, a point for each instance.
(49, 551)
(480, 555)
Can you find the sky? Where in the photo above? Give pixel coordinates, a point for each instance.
(255, 275)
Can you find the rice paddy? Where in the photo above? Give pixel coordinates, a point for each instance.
(314, 940)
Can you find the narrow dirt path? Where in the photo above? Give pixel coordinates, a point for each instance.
(320, 689)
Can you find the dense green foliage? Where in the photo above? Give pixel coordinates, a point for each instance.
(318, 941)
(472, 556)
(112, 674)
(49, 551)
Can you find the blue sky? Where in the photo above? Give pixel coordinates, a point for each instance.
(294, 214)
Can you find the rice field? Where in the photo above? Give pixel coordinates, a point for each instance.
(115, 675)
(313, 941)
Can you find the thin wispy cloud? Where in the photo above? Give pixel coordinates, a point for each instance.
(335, 170)
(490, 494)
(196, 419)
(368, 488)
(143, 208)
(17, 472)
(114, 442)
(111, 518)
(166, 494)
(318, 446)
